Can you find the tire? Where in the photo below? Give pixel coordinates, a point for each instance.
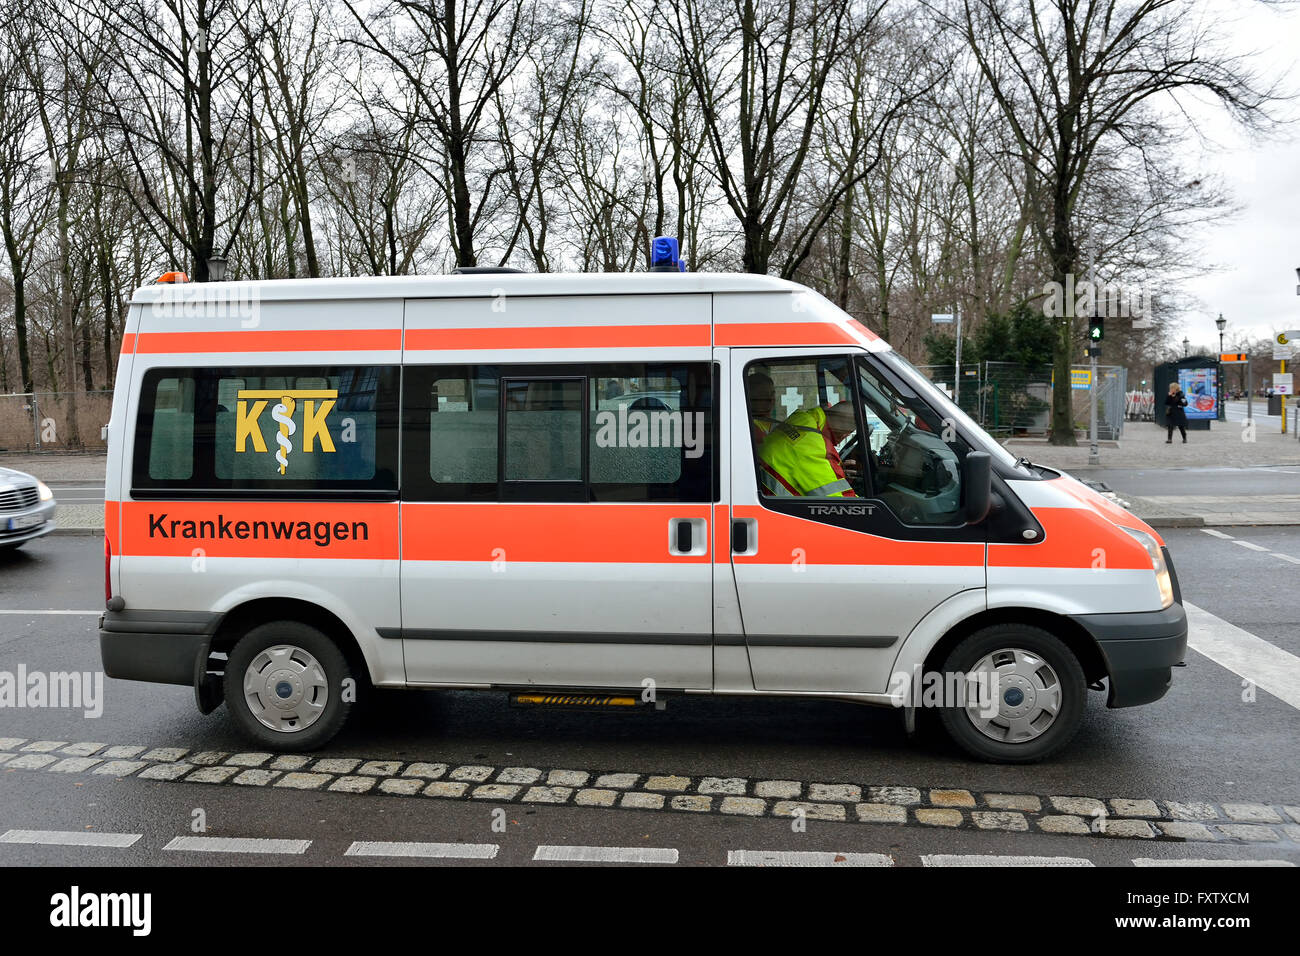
(1040, 694)
(284, 686)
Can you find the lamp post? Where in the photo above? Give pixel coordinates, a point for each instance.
(216, 269)
(1221, 322)
(1186, 345)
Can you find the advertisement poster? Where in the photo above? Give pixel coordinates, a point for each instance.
(1198, 384)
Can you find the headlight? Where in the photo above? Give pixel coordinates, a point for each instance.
(46, 494)
(1158, 565)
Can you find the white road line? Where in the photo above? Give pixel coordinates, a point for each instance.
(1146, 861)
(441, 851)
(1218, 534)
(1267, 666)
(805, 858)
(1285, 557)
(604, 854)
(237, 845)
(69, 838)
(1250, 544)
(29, 613)
(953, 859)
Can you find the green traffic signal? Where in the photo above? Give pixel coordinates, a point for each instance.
(1096, 330)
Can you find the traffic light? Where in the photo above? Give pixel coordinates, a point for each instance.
(1096, 330)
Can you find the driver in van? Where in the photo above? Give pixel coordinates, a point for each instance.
(798, 458)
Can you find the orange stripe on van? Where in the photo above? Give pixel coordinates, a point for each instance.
(1073, 538)
(128, 343)
(112, 510)
(585, 533)
(1082, 493)
(788, 333)
(783, 539)
(280, 340)
(560, 337)
(721, 533)
(260, 529)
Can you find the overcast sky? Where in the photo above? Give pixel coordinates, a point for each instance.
(1257, 252)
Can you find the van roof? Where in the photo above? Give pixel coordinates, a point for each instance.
(472, 285)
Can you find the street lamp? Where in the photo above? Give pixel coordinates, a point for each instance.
(1221, 322)
(217, 268)
(1186, 345)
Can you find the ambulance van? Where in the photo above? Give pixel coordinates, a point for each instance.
(568, 488)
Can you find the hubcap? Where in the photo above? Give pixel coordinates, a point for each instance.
(285, 688)
(1012, 695)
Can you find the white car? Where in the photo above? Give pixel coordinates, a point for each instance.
(26, 509)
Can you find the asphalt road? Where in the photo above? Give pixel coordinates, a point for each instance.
(1201, 480)
(1203, 742)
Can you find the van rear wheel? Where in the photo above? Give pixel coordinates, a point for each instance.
(284, 686)
(1023, 692)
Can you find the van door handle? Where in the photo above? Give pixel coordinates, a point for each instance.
(684, 537)
(688, 536)
(744, 536)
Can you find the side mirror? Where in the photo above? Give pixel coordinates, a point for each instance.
(977, 482)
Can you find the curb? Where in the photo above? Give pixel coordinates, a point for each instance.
(1174, 521)
(78, 532)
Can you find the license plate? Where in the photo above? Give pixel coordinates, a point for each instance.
(25, 521)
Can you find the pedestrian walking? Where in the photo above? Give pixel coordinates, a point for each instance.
(1175, 402)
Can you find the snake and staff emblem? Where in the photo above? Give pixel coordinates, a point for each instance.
(283, 413)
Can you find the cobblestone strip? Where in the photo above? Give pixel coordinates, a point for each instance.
(1135, 818)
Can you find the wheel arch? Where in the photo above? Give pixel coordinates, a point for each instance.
(237, 622)
(1069, 631)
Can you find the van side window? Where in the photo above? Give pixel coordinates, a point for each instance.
(294, 430)
(609, 432)
(915, 457)
(651, 432)
(804, 426)
(543, 429)
(171, 442)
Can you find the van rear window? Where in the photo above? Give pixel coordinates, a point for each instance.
(279, 430)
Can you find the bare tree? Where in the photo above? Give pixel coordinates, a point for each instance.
(1074, 76)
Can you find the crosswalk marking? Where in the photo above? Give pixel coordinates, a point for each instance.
(973, 859)
(805, 858)
(604, 854)
(449, 851)
(70, 838)
(1267, 666)
(237, 845)
(1147, 861)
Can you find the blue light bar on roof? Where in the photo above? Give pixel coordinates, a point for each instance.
(663, 255)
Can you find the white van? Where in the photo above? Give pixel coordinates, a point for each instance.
(569, 487)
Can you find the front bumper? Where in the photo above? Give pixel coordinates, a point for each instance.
(1140, 649)
(43, 511)
(164, 647)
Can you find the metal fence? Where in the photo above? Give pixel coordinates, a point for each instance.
(1010, 399)
(41, 421)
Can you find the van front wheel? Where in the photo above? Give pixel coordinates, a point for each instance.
(1022, 696)
(284, 685)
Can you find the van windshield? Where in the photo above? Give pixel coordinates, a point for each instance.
(948, 408)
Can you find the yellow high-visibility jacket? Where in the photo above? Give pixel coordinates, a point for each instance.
(798, 459)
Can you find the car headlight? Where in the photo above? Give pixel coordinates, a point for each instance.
(1158, 565)
(46, 494)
